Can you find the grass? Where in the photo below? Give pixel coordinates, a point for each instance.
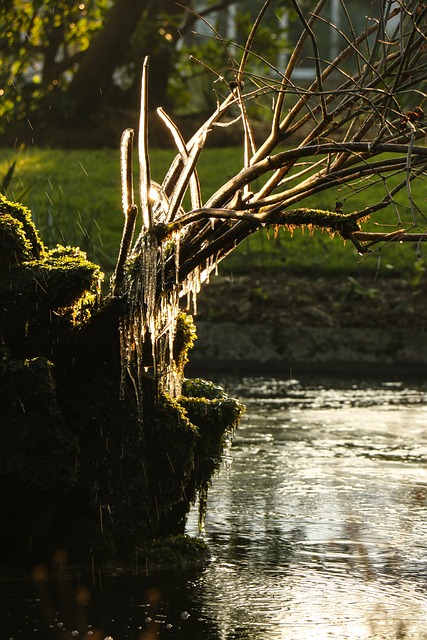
(75, 200)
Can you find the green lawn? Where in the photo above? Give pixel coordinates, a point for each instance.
(75, 199)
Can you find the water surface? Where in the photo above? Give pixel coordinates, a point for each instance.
(317, 524)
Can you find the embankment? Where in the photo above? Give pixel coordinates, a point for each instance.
(328, 325)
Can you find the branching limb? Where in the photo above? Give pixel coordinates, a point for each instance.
(129, 208)
(195, 193)
(355, 126)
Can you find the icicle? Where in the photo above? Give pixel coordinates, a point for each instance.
(126, 169)
(123, 358)
(203, 499)
(176, 239)
(195, 288)
(152, 318)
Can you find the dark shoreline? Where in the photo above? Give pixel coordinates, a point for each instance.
(377, 371)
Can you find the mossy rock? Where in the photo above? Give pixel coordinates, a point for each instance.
(216, 415)
(173, 551)
(37, 455)
(87, 462)
(25, 234)
(43, 294)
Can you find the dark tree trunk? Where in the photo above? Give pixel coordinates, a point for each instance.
(94, 76)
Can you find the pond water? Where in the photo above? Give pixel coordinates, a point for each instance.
(317, 524)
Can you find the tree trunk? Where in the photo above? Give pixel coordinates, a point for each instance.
(104, 448)
(94, 75)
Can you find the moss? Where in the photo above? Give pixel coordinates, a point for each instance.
(64, 276)
(15, 245)
(333, 222)
(61, 275)
(173, 551)
(200, 388)
(42, 299)
(216, 419)
(216, 415)
(38, 454)
(185, 337)
(25, 224)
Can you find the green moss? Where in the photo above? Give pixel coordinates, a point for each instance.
(14, 243)
(37, 449)
(80, 464)
(216, 419)
(40, 299)
(200, 388)
(67, 275)
(334, 222)
(185, 337)
(60, 275)
(173, 551)
(216, 415)
(22, 215)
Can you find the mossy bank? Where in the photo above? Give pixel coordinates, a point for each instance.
(81, 467)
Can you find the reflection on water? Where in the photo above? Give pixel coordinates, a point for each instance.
(317, 525)
(320, 527)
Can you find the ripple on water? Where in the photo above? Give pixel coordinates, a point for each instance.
(318, 528)
(327, 519)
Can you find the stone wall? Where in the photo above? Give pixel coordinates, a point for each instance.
(254, 347)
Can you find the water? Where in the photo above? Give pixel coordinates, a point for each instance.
(317, 524)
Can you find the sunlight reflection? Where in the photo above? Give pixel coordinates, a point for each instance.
(324, 515)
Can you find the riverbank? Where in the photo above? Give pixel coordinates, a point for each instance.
(281, 323)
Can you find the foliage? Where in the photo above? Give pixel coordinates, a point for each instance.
(40, 45)
(43, 47)
(205, 64)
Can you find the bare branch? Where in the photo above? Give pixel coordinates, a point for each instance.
(129, 209)
(195, 193)
(356, 125)
(126, 169)
(144, 159)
